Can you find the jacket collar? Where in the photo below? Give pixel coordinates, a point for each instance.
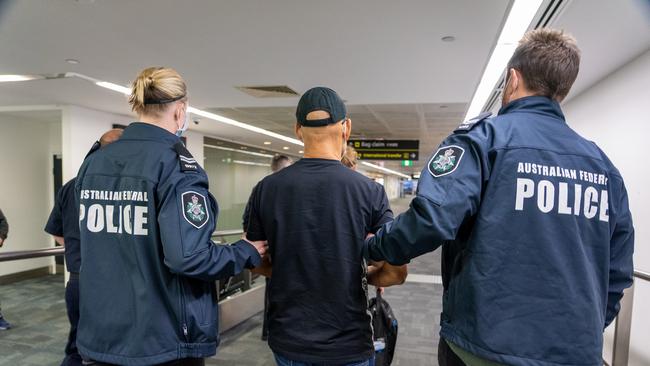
(147, 131)
(534, 104)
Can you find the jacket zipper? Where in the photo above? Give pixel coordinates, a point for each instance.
(183, 310)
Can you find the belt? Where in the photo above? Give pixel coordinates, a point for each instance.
(74, 275)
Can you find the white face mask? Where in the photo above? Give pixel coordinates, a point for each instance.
(186, 125)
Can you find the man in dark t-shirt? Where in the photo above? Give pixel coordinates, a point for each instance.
(315, 215)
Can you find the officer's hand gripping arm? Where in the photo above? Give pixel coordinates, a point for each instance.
(441, 206)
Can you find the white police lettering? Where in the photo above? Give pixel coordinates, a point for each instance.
(564, 196)
(123, 213)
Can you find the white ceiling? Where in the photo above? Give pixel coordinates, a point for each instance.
(609, 34)
(384, 57)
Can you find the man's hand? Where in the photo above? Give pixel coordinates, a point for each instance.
(265, 269)
(260, 245)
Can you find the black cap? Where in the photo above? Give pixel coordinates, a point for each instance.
(320, 99)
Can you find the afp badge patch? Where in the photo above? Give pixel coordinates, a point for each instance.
(195, 209)
(445, 160)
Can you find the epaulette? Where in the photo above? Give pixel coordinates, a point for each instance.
(185, 159)
(469, 124)
(96, 146)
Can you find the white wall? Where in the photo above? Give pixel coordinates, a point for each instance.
(26, 185)
(614, 114)
(81, 127)
(194, 145)
(391, 186)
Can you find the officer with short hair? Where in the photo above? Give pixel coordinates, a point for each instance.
(63, 225)
(533, 220)
(147, 290)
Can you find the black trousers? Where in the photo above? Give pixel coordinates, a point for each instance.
(184, 362)
(447, 357)
(72, 357)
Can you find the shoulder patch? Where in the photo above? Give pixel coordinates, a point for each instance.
(445, 160)
(195, 210)
(468, 125)
(185, 159)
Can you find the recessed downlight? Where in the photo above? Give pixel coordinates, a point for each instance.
(267, 142)
(285, 148)
(72, 61)
(301, 152)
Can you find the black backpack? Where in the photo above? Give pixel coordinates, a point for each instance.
(384, 327)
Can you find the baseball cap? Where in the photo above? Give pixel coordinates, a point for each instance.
(320, 99)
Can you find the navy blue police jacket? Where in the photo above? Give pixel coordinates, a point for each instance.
(147, 293)
(536, 232)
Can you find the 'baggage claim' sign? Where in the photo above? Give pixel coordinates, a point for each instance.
(386, 149)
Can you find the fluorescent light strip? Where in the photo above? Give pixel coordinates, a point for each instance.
(245, 126)
(114, 87)
(10, 78)
(386, 170)
(238, 151)
(519, 18)
(250, 163)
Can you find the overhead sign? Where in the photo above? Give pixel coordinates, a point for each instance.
(386, 149)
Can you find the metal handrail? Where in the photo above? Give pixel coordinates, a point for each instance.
(642, 275)
(223, 233)
(49, 252)
(29, 254)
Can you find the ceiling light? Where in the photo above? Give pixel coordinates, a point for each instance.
(285, 148)
(386, 170)
(250, 163)
(9, 78)
(267, 142)
(301, 152)
(232, 122)
(238, 151)
(448, 38)
(114, 87)
(72, 61)
(519, 18)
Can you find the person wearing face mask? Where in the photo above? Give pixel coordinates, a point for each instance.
(318, 292)
(533, 220)
(147, 290)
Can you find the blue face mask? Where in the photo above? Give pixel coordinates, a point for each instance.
(186, 125)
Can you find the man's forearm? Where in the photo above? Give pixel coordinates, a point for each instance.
(388, 275)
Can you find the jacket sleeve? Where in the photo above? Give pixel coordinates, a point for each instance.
(4, 226)
(447, 195)
(621, 267)
(185, 234)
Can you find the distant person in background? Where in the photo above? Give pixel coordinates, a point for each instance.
(350, 158)
(63, 225)
(278, 163)
(4, 231)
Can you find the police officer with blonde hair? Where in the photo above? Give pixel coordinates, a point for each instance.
(146, 217)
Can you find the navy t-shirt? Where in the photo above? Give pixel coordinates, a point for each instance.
(64, 221)
(315, 215)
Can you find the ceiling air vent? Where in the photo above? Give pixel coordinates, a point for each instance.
(268, 91)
